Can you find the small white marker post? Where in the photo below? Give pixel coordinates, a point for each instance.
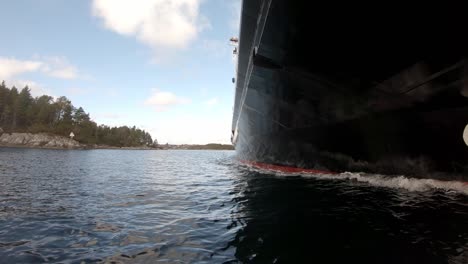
(72, 135)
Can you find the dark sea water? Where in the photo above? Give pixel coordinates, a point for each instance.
(59, 206)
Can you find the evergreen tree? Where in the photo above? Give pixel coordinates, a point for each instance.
(4, 93)
(80, 116)
(19, 111)
(45, 110)
(24, 108)
(12, 110)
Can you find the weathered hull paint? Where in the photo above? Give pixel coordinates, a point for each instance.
(391, 100)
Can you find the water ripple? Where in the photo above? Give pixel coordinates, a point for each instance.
(112, 206)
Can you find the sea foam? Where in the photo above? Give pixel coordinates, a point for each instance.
(399, 182)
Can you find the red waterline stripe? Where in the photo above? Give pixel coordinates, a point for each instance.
(286, 169)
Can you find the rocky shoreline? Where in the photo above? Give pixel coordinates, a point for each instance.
(50, 141)
(40, 140)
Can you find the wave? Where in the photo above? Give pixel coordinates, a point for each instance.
(396, 182)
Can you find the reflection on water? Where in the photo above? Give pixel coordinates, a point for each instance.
(204, 207)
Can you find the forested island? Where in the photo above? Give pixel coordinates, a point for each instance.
(22, 113)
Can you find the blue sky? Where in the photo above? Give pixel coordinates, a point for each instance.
(162, 65)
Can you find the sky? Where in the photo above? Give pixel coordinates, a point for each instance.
(162, 65)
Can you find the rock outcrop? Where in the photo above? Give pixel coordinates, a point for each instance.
(38, 140)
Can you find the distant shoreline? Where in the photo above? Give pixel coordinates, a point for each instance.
(51, 141)
(209, 146)
(100, 147)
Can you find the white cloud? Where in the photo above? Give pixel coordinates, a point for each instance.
(36, 89)
(160, 24)
(57, 67)
(10, 67)
(212, 102)
(162, 100)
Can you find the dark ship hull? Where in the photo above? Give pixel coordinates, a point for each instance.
(355, 91)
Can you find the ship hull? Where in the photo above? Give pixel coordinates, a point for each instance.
(348, 108)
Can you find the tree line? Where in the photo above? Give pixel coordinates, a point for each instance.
(211, 146)
(20, 112)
